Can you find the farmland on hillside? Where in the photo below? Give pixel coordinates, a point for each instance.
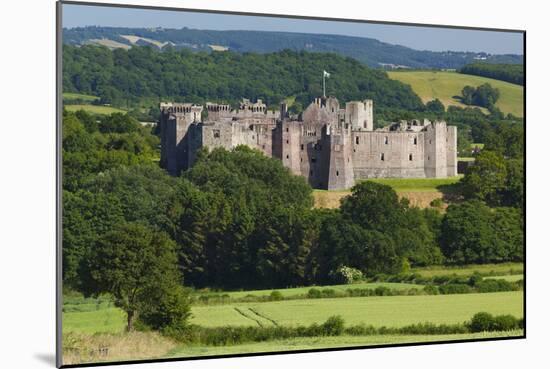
(444, 86)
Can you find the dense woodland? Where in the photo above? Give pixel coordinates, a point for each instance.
(142, 75)
(513, 73)
(241, 220)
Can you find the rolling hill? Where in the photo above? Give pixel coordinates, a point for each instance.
(445, 86)
(366, 50)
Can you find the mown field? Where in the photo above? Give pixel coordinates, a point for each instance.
(389, 311)
(420, 191)
(445, 86)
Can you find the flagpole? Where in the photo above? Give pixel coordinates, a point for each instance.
(324, 95)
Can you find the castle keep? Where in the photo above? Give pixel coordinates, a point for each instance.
(330, 145)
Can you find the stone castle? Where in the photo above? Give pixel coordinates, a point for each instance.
(330, 145)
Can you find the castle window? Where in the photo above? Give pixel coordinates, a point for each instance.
(386, 140)
(216, 133)
(287, 156)
(313, 160)
(430, 142)
(415, 141)
(364, 124)
(302, 147)
(286, 141)
(251, 127)
(287, 129)
(337, 174)
(301, 160)
(252, 137)
(382, 156)
(410, 157)
(357, 140)
(428, 158)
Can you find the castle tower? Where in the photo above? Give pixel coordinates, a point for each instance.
(175, 120)
(359, 115)
(435, 150)
(286, 145)
(339, 160)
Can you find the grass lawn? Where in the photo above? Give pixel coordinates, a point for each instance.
(391, 311)
(492, 269)
(420, 191)
(308, 343)
(417, 184)
(509, 278)
(94, 109)
(446, 85)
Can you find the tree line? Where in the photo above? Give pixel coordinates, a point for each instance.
(513, 73)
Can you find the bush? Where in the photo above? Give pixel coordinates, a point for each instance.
(346, 275)
(506, 323)
(314, 293)
(276, 296)
(454, 288)
(382, 291)
(495, 285)
(481, 322)
(334, 326)
(430, 289)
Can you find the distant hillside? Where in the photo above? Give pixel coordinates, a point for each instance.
(447, 86)
(513, 73)
(367, 50)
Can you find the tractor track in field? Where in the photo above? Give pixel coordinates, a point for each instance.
(239, 311)
(255, 316)
(264, 316)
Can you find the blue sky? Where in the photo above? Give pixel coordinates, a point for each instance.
(420, 38)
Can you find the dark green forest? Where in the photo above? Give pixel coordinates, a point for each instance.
(142, 76)
(513, 73)
(238, 219)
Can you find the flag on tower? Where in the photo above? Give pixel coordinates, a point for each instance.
(326, 74)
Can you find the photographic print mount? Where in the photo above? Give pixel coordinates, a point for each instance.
(279, 130)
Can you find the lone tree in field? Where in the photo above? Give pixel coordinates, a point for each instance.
(138, 267)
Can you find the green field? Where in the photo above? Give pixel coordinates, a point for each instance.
(102, 320)
(308, 343)
(390, 311)
(94, 109)
(509, 278)
(445, 85)
(417, 184)
(287, 292)
(74, 96)
(485, 269)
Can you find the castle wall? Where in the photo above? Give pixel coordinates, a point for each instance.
(382, 154)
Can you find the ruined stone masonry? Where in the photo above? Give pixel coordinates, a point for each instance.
(332, 147)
